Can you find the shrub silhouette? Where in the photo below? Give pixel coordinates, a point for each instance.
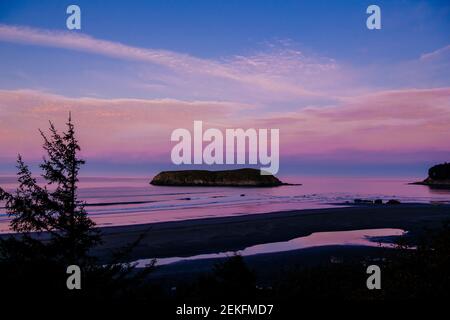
(54, 231)
(230, 280)
(54, 208)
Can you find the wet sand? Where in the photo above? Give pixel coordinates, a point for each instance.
(267, 267)
(191, 237)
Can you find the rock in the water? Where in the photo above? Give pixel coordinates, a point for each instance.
(438, 176)
(228, 178)
(363, 201)
(393, 201)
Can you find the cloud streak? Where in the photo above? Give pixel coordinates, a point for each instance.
(328, 111)
(436, 54)
(124, 128)
(256, 71)
(409, 120)
(391, 123)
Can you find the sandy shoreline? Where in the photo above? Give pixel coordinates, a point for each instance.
(211, 235)
(191, 237)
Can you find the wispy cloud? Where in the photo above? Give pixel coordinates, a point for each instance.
(386, 122)
(278, 73)
(392, 121)
(330, 110)
(81, 42)
(123, 128)
(436, 53)
(284, 71)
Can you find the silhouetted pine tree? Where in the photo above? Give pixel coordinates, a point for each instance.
(53, 208)
(53, 231)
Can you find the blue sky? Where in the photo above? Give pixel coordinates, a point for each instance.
(221, 29)
(213, 29)
(290, 64)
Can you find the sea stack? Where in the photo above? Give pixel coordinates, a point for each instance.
(227, 178)
(438, 176)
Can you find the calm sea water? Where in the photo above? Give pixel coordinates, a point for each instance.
(123, 201)
(368, 238)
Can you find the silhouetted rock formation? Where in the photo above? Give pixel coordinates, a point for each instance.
(438, 176)
(228, 178)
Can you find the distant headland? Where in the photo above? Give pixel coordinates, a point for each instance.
(438, 176)
(227, 178)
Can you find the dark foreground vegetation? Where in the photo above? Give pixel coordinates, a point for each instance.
(420, 273)
(36, 270)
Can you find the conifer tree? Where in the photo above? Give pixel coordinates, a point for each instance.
(54, 208)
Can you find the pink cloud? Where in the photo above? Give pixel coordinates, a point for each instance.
(125, 128)
(387, 122)
(391, 121)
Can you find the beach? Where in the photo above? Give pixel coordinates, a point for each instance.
(210, 235)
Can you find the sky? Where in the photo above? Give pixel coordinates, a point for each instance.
(347, 100)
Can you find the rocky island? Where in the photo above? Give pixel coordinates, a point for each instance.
(438, 176)
(226, 178)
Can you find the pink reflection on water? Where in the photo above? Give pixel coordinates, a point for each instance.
(318, 239)
(127, 201)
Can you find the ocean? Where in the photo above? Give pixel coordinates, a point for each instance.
(125, 201)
